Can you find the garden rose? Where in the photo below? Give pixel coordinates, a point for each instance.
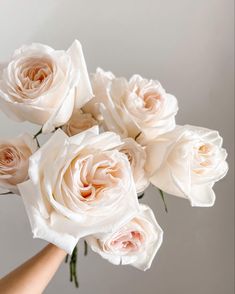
(43, 85)
(137, 157)
(14, 161)
(138, 108)
(78, 186)
(135, 243)
(78, 123)
(187, 162)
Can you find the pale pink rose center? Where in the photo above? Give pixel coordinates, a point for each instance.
(92, 175)
(152, 100)
(98, 178)
(35, 74)
(128, 242)
(143, 101)
(8, 158)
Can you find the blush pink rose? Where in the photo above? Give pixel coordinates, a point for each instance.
(187, 162)
(135, 243)
(43, 85)
(78, 186)
(14, 161)
(138, 108)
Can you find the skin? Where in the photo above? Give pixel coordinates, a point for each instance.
(34, 275)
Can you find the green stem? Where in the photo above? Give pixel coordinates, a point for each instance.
(85, 248)
(73, 268)
(163, 199)
(66, 258)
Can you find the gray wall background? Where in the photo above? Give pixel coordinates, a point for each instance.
(189, 46)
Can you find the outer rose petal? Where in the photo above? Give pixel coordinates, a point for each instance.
(43, 228)
(202, 195)
(78, 95)
(137, 157)
(84, 91)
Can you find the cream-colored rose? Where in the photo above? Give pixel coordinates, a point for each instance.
(138, 108)
(137, 157)
(187, 162)
(78, 123)
(135, 243)
(78, 186)
(14, 161)
(44, 86)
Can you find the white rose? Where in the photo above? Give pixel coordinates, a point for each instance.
(136, 243)
(14, 161)
(78, 123)
(43, 85)
(187, 162)
(78, 186)
(135, 108)
(137, 157)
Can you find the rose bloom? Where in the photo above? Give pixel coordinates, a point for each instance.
(14, 161)
(138, 108)
(78, 123)
(43, 85)
(135, 243)
(78, 186)
(187, 162)
(137, 157)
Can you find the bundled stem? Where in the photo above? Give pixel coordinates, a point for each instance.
(73, 267)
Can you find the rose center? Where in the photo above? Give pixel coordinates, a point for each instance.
(152, 100)
(35, 72)
(128, 242)
(91, 176)
(6, 157)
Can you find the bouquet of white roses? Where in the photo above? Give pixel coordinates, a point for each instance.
(110, 138)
